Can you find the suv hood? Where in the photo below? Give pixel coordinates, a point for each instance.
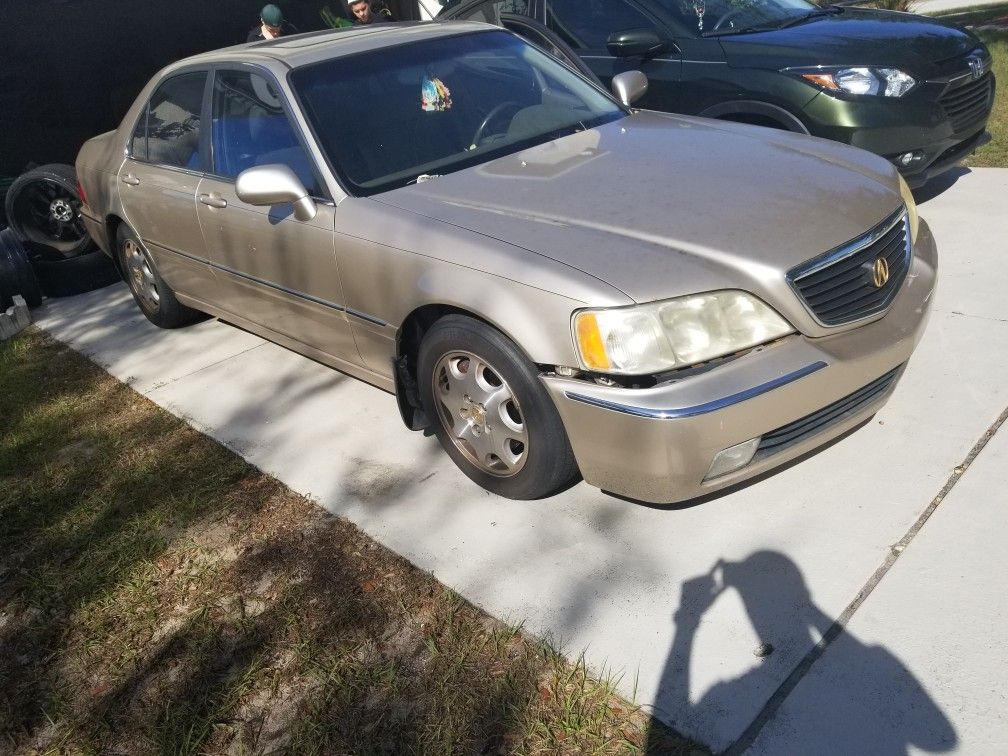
(854, 37)
(659, 205)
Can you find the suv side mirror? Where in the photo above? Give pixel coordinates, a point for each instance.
(267, 185)
(635, 43)
(629, 86)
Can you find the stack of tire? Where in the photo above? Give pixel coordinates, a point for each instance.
(46, 251)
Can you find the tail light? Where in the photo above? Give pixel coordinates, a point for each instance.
(80, 193)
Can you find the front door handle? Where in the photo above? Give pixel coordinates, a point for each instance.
(130, 179)
(213, 200)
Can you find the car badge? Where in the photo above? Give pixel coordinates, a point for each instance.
(880, 272)
(976, 65)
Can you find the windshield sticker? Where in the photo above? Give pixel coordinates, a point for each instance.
(434, 95)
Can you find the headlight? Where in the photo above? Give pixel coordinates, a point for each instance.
(858, 80)
(660, 336)
(911, 206)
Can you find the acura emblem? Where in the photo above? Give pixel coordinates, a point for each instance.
(880, 272)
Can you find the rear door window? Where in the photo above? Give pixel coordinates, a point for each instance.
(168, 132)
(251, 128)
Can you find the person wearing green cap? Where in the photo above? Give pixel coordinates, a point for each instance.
(272, 24)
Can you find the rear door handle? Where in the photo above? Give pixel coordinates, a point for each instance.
(213, 200)
(130, 179)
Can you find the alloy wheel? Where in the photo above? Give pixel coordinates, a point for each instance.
(481, 413)
(141, 276)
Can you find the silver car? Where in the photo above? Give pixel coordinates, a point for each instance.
(554, 283)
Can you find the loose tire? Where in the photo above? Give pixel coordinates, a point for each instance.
(16, 274)
(490, 412)
(43, 208)
(67, 278)
(153, 296)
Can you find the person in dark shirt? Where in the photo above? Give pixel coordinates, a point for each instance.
(271, 25)
(365, 12)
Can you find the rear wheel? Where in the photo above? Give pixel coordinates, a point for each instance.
(155, 298)
(490, 413)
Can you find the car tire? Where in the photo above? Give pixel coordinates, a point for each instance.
(16, 274)
(78, 275)
(154, 297)
(490, 412)
(43, 208)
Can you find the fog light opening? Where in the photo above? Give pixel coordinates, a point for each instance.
(733, 458)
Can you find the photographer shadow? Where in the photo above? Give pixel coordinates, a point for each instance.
(864, 701)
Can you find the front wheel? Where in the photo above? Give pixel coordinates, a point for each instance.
(490, 413)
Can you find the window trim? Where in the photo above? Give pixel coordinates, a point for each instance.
(188, 71)
(285, 102)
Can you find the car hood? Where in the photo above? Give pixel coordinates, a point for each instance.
(854, 37)
(659, 205)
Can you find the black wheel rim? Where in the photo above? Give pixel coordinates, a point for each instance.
(45, 212)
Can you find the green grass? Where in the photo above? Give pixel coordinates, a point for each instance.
(159, 595)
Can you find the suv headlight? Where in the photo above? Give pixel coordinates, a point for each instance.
(675, 333)
(858, 80)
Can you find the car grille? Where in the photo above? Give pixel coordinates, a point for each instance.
(966, 103)
(840, 286)
(796, 432)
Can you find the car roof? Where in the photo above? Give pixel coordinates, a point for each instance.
(311, 47)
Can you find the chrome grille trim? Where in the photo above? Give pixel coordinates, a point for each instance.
(834, 287)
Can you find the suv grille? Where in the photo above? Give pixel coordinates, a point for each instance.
(840, 286)
(966, 103)
(796, 432)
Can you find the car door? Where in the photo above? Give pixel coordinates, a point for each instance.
(587, 25)
(274, 270)
(158, 181)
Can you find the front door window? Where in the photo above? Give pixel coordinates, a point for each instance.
(587, 24)
(250, 128)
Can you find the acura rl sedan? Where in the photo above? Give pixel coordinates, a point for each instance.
(554, 283)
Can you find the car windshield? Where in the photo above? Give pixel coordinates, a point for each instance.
(715, 17)
(402, 114)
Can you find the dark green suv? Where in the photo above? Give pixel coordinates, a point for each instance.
(915, 90)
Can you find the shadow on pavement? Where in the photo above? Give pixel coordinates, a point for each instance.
(874, 703)
(940, 184)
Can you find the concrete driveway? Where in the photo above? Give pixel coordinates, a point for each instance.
(887, 625)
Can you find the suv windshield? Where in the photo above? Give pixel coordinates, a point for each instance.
(392, 116)
(735, 16)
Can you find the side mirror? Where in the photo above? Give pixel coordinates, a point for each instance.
(267, 185)
(629, 86)
(635, 43)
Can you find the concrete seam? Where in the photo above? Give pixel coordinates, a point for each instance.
(177, 378)
(746, 739)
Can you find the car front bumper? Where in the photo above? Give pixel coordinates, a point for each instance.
(918, 125)
(657, 444)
